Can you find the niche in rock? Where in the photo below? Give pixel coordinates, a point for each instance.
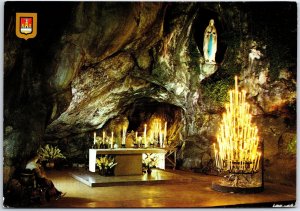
(149, 111)
(200, 23)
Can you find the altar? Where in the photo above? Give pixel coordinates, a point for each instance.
(129, 159)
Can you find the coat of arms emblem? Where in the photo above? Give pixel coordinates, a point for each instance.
(26, 25)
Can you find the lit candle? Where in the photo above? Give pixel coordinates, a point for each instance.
(216, 158)
(94, 138)
(165, 133)
(156, 129)
(251, 162)
(151, 137)
(112, 139)
(124, 135)
(236, 91)
(237, 137)
(258, 160)
(103, 135)
(160, 139)
(145, 132)
(255, 161)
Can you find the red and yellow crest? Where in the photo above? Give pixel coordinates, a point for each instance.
(26, 25)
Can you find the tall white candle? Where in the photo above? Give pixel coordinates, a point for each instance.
(217, 160)
(136, 136)
(165, 133)
(156, 130)
(112, 139)
(258, 160)
(160, 139)
(145, 133)
(94, 138)
(103, 135)
(124, 135)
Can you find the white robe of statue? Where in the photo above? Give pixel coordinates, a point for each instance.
(210, 43)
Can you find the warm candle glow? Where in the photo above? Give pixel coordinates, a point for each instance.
(112, 140)
(94, 137)
(145, 134)
(165, 133)
(237, 137)
(156, 128)
(160, 139)
(124, 135)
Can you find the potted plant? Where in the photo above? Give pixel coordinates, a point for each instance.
(106, 165)
(50, 154)
(150, 161)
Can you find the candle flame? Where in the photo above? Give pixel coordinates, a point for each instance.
(237, 137)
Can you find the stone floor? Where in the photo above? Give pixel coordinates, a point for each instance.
(194, 192)
(156, 177)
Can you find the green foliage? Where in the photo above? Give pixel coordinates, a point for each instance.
(292, 146)
(217, 92)
(232, 69)
(50, 153)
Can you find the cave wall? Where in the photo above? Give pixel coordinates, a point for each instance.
(104, 57)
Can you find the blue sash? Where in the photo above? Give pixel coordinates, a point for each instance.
(210, 45)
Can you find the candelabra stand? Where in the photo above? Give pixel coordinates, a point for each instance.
(243, 181)
(239, 154)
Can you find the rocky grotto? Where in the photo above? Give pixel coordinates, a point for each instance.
(93, 66)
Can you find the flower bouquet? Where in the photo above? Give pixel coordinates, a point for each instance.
(50, 154)
(106, 165)
(150, 161)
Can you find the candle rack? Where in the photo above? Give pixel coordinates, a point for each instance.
(239, 153)
(154, 135)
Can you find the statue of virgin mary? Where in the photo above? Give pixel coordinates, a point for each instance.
(210, 43)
